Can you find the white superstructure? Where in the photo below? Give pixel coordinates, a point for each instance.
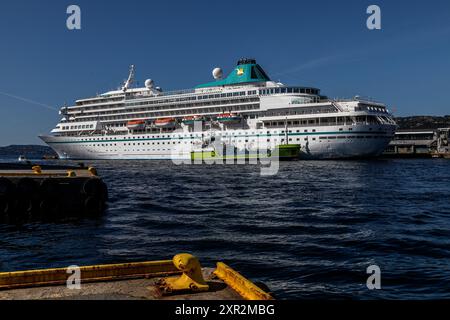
(246, 110)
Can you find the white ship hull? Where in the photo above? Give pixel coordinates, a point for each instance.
(246, 112)
(331, 142)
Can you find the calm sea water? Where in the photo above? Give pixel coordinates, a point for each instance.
(308, 232)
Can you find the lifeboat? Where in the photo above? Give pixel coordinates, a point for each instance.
(136, 124)
(228, 118)
(165, 122)
(191, 119)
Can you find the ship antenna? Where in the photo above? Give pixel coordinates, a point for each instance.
(130, 79)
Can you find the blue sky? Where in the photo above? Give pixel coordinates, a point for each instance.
(318, 43)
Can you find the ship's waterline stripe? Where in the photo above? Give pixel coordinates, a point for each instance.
(230, 136)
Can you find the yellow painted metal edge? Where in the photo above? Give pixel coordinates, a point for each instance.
(47, 174)
(33, 174)
(37, 171)
(240, 284)
(59, 276)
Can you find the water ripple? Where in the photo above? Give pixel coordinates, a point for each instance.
(309, 232)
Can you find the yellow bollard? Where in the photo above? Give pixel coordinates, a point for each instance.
(71, 173)
(37, 169)
(93, 171)
(190, 280)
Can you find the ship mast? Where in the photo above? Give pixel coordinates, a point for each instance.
(130, 79)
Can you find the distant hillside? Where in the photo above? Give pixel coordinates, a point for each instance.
(29, 151)
(423, 122)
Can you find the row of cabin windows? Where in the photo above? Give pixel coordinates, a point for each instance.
(193, 104)
(338, 137)
(139, 137)
(81, 126)
(222, 95)
(147, 107)
(204, 97)
(326, 121)
(351, 137)
(289, 90)
(213, 96)
(175, 113)
(224, 134)
(179, 99)
(370, 108)
(80, 103)
(301, 111)
(246, 141)
(197, 135)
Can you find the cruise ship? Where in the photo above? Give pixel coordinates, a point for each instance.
(245, 110)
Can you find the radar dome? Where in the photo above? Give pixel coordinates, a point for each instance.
(149, 83)
(217, 73)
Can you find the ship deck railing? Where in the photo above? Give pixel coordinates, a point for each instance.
(357, 98)
(136, 95)
(199, 112)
